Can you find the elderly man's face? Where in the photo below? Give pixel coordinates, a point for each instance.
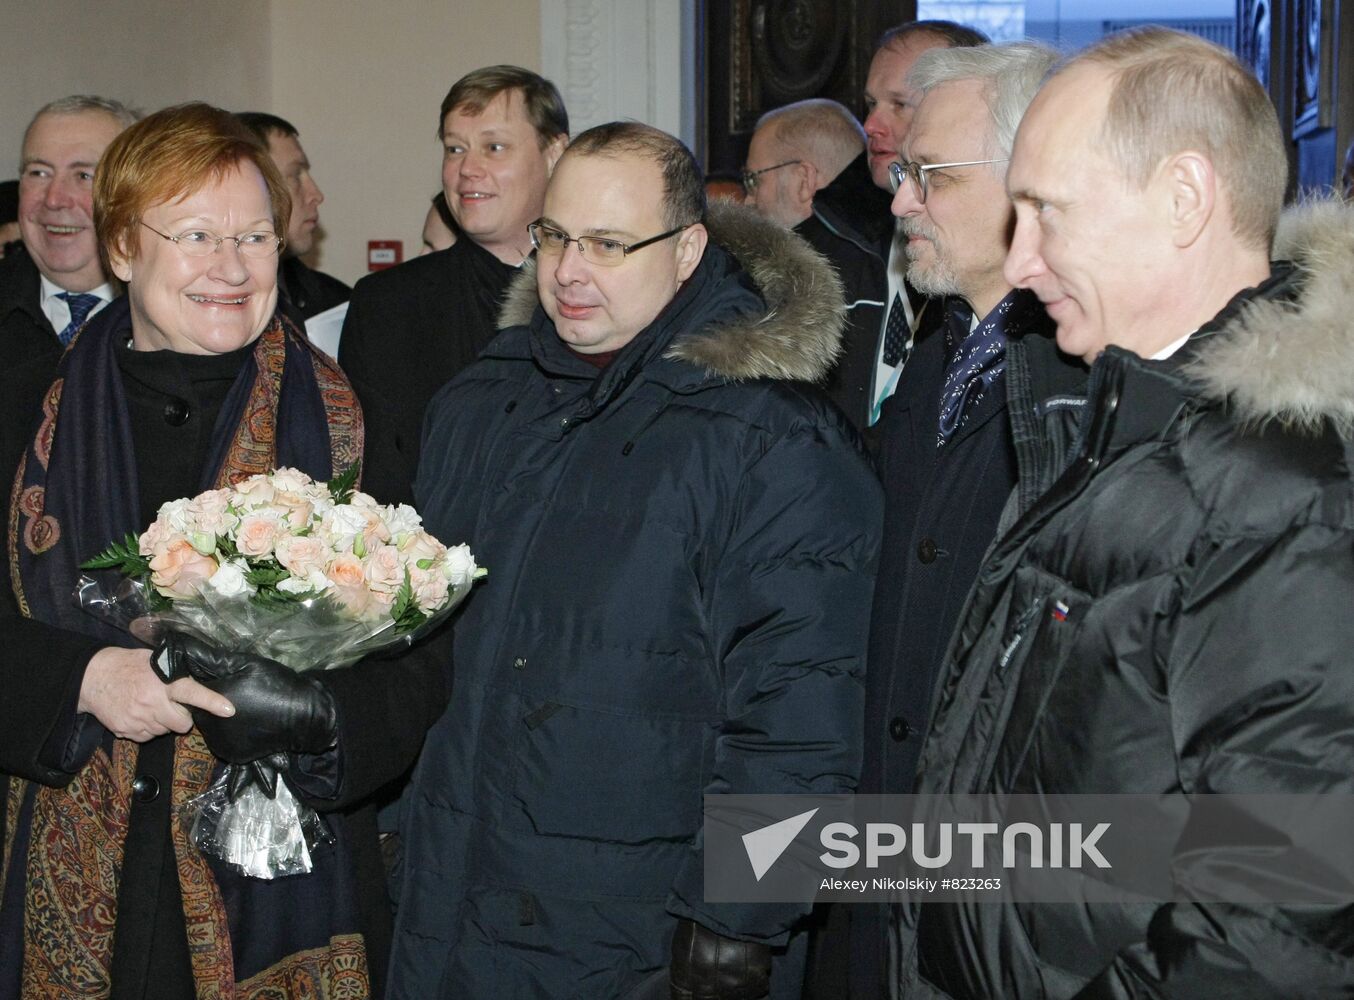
(1095, 248)
(957, 238)
(598, 308)
(890, 103)
(56, 190)
(777, 193)
(306, 197)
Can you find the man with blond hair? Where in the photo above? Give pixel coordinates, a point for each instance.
(1167, 613)
(411, 328)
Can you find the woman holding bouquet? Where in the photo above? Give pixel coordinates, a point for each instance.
(191, 381)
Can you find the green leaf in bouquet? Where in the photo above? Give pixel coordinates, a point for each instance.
(342, 486)
(268, 574)
(405, 610)
(124, 556)
(271, 597)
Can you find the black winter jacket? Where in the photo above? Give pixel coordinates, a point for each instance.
(1198, 543)
(680, 552)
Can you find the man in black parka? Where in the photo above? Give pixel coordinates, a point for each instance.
(1169, 612)
(681, 537)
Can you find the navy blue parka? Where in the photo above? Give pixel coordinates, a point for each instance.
(680, 551)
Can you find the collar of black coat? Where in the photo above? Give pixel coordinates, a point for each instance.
(1285, 352)
(855, 205)
(795, 335)
(20, 285)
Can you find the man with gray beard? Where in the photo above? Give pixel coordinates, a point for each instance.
(947, 457)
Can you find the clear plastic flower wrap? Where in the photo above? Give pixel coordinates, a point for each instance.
(311, 575)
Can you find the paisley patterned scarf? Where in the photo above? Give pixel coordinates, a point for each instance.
(76, 490)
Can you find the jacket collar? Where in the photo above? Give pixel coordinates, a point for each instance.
(21, 287)
(790, 330)
(1285, 351)
(855, 207)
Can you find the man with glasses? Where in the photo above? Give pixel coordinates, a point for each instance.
(807, 170)
(947, 460)
(55, 281)
(680, 544)
(411, 328)
(1168, 613)
(890, 103)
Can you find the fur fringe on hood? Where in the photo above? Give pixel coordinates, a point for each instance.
(797, 338)
(1293, 361)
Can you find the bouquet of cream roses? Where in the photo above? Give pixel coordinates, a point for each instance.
(309, 574)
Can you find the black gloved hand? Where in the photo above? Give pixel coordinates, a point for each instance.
(263, 772)
(708, 966)
(277, 710)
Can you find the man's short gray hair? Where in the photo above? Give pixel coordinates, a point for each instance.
(821, 131)
(1011, 75)
(80, 103)
(77, 103)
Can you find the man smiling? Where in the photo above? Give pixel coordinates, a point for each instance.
(1168, 613)
(48, 290)
(411, 328)
(682, 542)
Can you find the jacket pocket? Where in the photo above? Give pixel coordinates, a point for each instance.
(610, 776)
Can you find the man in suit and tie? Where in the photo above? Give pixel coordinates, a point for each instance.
(56, 282)
(890, 103)
(411, 328)
(947, 457)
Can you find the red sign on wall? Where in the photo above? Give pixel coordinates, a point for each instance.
(382, 254)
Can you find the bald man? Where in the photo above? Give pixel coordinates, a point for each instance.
(807, 170)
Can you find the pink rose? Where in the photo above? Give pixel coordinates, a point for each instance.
(375, 533)
(350, 584)
(291, 480)
(346, 571)
(295, 509)
(179, 570)
(257, 535)
(299, 556)
(419, 546)
(157, 536)
(207, 513)
(430, 588)
(385, 569)
(254, 491)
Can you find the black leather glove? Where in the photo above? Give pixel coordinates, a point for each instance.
(708, 966)
(277, 710)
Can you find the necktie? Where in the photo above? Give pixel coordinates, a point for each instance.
(895, 332)
(977, 361)
(81, 304)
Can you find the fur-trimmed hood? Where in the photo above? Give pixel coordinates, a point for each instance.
(798, 336)
(1291, 360)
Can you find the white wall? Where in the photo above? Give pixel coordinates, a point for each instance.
(361, 80)
(147, 53)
